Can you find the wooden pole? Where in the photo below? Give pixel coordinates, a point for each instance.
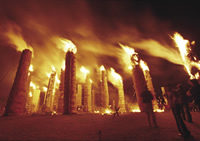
(19, 91)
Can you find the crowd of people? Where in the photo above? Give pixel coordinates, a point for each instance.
(180, 100)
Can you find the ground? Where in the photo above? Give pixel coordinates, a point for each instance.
(94, 127)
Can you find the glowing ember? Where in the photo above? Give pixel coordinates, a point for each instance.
(68, 46)
(159, 110)
(144, 66)
(136, 110)
(107, 111)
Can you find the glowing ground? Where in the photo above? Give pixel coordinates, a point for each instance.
(130, 126)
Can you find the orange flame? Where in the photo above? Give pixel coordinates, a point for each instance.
(144, 66)
(102, 68)
(31, 68)
(85, 72)
(130, 57)
(30, 94)
(17, 39)
(45, 89)
(63, 65)
(116, 78)
(184, 49)
(68, 46)
(32, 85)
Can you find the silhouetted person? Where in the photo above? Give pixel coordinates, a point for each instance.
(195, 93)
(177, 106)
(148, 107)
(184, 103)
(116, 111)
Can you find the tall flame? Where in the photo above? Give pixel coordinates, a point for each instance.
(144, 66)
(115, 78)
(85, 72)
(63, 65)
(130, 57)
(68, 46)
(184, 49)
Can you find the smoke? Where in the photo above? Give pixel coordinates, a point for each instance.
(94, 27)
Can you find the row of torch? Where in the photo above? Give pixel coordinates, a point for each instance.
(71, 96)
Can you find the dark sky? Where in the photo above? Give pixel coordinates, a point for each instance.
(96, 28)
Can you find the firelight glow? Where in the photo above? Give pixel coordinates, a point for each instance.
(32, 85)
(31, 68)
(116, 77)
(184, 49)
(129, 56)
(102, 68)
(144, 66)
(68, 46)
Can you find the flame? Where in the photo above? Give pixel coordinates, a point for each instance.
(32, 85)
(136, 110)
(14, 34)
(117, 79)
(48, 75)
(107, 111)
(130, 67)
(159, 110)
(184, 49)
(84, 70)
(31, 68)
(68, 46)
(53, 68)
(102, 68)
(130, 57)
(57, 80)
(30, 94)
(45, 89)
(128, 50)
(144, 66)
(63, 65)
(85, 73)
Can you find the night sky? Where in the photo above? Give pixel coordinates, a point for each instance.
(96, 28)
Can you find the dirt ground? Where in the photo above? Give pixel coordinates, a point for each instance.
(94, 127)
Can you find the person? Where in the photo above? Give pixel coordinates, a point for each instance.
(116, 111)
(194, 91)
(176, 106)
(184, 103)
(148, 107)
